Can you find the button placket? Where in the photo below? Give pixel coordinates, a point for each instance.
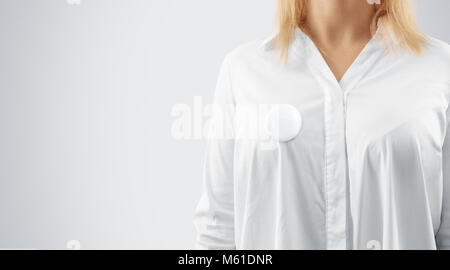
(335, 156)
(335, 160)
(335, 170)
(335, 112)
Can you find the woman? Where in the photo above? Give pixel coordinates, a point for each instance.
(360, 153)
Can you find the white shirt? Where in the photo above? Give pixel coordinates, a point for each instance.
(363, 163)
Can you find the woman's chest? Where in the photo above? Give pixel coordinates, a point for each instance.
(299, 108)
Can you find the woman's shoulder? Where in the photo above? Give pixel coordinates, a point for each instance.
(434, 59)
(438, 45)
(437, 50)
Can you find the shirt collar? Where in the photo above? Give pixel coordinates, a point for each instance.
(301, 43)
(298, 48)
(269, 42)
(303, 50)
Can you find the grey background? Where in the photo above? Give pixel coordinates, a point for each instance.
(86, 93)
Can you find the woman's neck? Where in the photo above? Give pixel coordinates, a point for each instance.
(336, 22)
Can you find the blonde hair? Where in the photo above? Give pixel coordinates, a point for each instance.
(395, 18)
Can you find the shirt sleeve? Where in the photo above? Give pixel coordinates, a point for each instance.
(443, 235)
(214, 214)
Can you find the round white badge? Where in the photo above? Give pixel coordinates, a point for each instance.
(283, 122)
